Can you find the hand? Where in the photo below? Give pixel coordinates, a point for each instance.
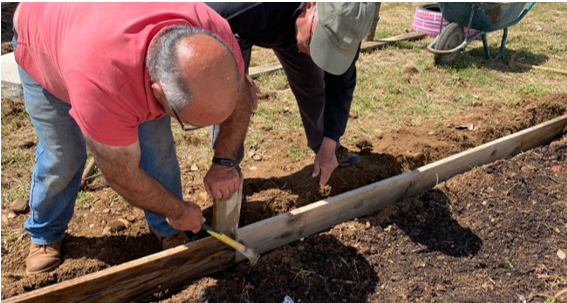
(325, 161)
(254, 90)
(190, 218)
(221, 182)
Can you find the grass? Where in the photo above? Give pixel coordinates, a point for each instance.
(532, 89)
(267, 113)
(272, 82)
(253, 143)
(19, 190)
(295, 152)
(15, 158)
(304, 274)
(114, 198)
(83, 197)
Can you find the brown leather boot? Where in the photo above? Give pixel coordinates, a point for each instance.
(43, 258)
(168, 242)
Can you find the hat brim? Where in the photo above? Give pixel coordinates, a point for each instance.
(327, 55)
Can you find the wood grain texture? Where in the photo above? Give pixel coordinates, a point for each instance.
(226, 213)
(271, 233)
(256, 71)
(138, 278)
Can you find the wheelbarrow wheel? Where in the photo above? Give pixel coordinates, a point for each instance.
(450, 37)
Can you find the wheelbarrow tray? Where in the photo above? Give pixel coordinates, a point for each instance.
(487, 16)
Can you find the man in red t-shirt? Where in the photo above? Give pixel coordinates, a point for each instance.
(110, 75)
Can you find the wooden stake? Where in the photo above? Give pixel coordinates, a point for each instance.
(372, 31)
(88, 168)
(226, 213)
(87, 172)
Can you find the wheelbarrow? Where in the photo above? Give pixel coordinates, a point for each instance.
(483, 17)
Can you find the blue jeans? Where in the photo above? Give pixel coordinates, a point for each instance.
(61, 156)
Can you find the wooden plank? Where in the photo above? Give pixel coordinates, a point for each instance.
(87, 171)
(268, 234)
(256, 71)
(226, 213)
(370, 45)
(141, 277)
(138, 278)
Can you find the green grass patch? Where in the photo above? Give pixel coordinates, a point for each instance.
(18, 191)
(15, 157)
(266, 113)
(531, 89)
(304, 274)
(83, 196)
(295, 152)
(275, 81)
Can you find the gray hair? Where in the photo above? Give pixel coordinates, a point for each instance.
(164, 68)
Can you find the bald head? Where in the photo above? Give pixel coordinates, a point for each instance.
(194, 73)
(210, 71)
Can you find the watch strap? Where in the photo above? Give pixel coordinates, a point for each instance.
(224, 161)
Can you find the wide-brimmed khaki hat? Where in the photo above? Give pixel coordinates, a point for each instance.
(341, 27)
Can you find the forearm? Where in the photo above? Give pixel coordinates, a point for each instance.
(233, 130)
(120, 167)
(145, 192)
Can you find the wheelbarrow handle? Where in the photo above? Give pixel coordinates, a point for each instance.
(526, 10)
(529, 6)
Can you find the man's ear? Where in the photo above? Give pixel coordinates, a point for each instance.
(158, 93)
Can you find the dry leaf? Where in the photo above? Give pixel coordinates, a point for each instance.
(561, 254)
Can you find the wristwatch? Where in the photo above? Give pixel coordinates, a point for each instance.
(224, 161)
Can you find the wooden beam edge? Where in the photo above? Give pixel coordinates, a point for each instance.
(140, 277)
(158, 271)
(285, 228)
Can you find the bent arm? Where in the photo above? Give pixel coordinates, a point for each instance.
(222, 182)
(120, 166)
(233, 130)
(338, 99)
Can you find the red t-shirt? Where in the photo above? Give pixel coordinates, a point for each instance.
(92, 55)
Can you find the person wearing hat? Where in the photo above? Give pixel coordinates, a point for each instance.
(317, 45)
